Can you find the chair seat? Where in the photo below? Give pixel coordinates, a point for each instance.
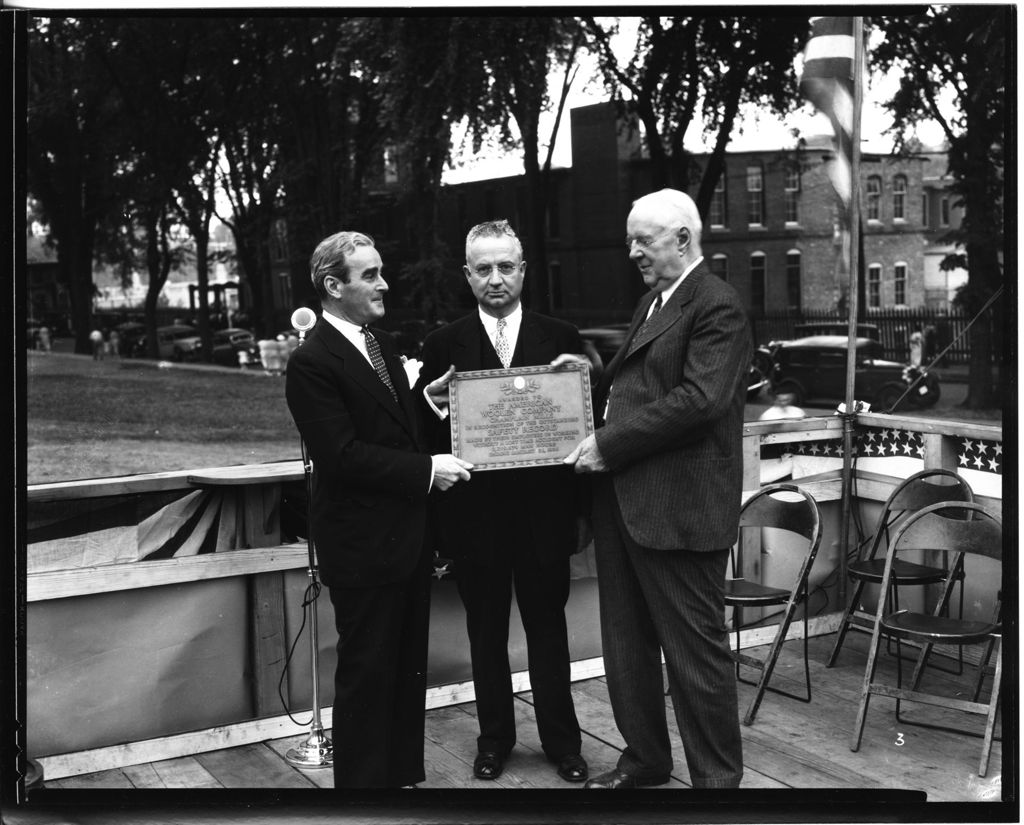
(751, 594)
(905, 572)
(907, 624)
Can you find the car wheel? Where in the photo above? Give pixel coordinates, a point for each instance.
(790, 388)
(887, 398)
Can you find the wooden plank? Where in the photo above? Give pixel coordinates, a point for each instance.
(101, 779)
(269, 647)
(61, 584)
(252, 766)
(184, 772)
(248, 474)
(153, 482)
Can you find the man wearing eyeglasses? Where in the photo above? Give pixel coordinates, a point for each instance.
(510, 528)
(666, 499)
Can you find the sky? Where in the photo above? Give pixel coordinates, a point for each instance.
(755, 129)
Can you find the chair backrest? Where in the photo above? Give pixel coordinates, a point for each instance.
(915, 493)
(797, 513)
(956, 526)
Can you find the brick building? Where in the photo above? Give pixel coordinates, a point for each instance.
(772, 229)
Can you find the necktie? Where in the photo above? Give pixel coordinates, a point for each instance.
(656, 307)
(373, 348)
(501, 344)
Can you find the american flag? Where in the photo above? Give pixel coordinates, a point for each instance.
(827, 81)
(871, 442)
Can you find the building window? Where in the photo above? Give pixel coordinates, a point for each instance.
(875, 286)
(792, 193)
(793, 279)
(758, 280)
(944, 206)
(717, 211)
(924, 210)
(755, 195)
(900, 284)
(899, 198)
(874, 198)
(720, 266)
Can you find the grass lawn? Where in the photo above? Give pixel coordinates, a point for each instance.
(89, 419)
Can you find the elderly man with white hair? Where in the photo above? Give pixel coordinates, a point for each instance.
(667, 487)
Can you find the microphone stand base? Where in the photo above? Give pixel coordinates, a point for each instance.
(315, 752)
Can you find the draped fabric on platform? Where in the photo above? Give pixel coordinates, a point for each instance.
(64, 535)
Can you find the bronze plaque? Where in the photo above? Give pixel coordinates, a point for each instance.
(522, 417)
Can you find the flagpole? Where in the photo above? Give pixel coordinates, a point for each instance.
(852, 301)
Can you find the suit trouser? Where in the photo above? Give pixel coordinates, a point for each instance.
(671, 601)
(380, 682)
(541, 594)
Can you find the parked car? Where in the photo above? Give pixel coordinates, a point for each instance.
(130, 334)
(809, 328)
(605, 341)
(169, 342)
(814, 369)
(227, 343)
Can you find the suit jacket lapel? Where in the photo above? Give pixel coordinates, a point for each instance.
(669, 314)
(531, 342)
(359, 369)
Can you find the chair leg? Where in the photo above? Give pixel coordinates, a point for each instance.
(993, 709)
(768, 666)
(865, 693)
(844, 625)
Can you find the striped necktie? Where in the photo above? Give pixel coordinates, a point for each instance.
(373, 349)
(501, 344)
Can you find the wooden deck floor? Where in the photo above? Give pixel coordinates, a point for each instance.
(790, 745)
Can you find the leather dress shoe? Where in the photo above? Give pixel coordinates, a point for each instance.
(488, 765)
(572, 767)
(615, 780)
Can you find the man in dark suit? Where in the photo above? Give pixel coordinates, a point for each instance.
(372, 471)
(508, 527)
(666, 505)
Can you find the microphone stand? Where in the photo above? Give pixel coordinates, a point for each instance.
(316, 751)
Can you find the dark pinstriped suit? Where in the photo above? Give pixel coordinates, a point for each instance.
(664, 518)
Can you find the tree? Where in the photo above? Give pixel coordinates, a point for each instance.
(73, 149)
(961, 51)
(519, 87)
(699, 70)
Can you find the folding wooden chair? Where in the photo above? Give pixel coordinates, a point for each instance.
(914, 493)
(962, 527)
(786, 507)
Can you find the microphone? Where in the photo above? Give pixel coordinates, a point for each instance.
(303, 319)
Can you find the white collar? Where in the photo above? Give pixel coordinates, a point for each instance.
(667, 293)
(513, 320)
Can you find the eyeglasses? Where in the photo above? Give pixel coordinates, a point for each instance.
(647, 241)
(505, 268)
